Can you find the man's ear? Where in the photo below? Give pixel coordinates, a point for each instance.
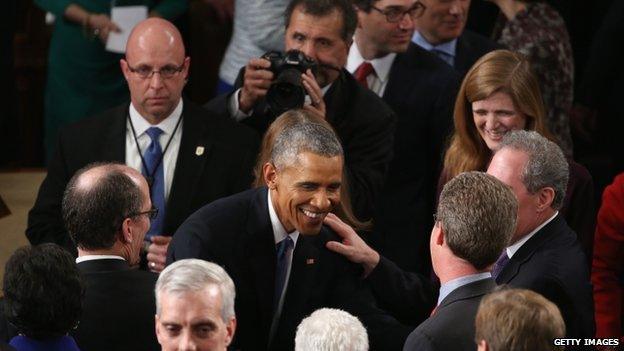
(545, 198)
(231, 329)
(482, 346)
(124, 68)
(438, 234)
(269, 173)
(126, 231)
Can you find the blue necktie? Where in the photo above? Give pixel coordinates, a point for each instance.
(500, 264)
(284, 252)
(444, 56)
(153, 158)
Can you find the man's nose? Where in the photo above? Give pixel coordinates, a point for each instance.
(156, 80)
(456, 7)
(321, 200)
(406, 22)
(187, 343)
(308, 49)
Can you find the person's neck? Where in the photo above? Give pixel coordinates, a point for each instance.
(113, 251)
(510, 8)
(454, 267)
(432, 40)
(367, 50)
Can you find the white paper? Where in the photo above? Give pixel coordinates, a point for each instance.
(125, 17)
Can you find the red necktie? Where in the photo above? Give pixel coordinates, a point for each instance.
(362, 72)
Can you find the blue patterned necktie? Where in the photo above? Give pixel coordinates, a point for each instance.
(153, 158)
(500, 264)
(444, 56)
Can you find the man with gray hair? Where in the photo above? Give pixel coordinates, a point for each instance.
(195, 307)
(272, 242)
(544, 255)
(329, 329)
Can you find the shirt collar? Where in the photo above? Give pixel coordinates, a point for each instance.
(511, 250)
(451, 285)
(279, 233)
(98, 257)
(447, 48)
(167, 125)
(381, 65)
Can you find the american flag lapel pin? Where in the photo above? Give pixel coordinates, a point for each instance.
(310, 261)
(199, 151)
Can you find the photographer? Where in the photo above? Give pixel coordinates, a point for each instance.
(321, 30)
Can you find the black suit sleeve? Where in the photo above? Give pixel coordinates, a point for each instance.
(409, 296)
(418, 340)
(45, 220)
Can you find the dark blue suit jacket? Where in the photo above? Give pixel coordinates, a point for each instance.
(236, 233)
(552, 263)
(470, 47)
(421, 90)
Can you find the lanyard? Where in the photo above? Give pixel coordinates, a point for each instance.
(149, 176)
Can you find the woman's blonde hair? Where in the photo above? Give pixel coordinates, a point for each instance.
(498, 71)
(289, 119)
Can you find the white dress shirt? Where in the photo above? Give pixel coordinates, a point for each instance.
(511, 250)
(133, 156)
(378, 80)
(98, 257)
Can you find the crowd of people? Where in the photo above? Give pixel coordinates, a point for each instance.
(421, 194)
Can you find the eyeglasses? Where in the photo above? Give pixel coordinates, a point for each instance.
(394, 15)
(151, 214)
(145, 72)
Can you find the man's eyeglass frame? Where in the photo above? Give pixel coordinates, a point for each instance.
(151, 214)
(395, 15)
(166, 72)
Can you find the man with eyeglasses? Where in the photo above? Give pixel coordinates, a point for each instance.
(441, 30)
(107, 209)
(421, 90)
(188, 155)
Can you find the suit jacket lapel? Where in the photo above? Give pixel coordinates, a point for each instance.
(189, 165)
(303, 269)
(336, 100)
(527, 250)
(261, 258)
(398, 80)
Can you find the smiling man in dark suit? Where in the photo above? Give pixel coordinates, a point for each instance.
(545, 255)
(272, 243)
(189, 156)
(421, 90)
(107, 210)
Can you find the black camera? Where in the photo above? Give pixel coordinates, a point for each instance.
(286, 91)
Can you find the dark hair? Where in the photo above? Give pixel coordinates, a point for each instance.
(43, 291)
(364, 5)
(93, 215)
(320, 8)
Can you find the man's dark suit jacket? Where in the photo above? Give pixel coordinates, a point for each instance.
(236, 233)
(452, 326)
(223, 169)
(421, 90)
(552, 263)
(365, 126)
(470, 47)
(118, 307)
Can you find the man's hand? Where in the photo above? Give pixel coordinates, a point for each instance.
(256, 83)
(316, 95)
(352, 246)
(157, 253)
(102, 25)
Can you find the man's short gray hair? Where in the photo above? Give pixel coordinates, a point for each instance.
(192, 275)
(304, 137)
(478, 215)
(546, 167)
(329, 329)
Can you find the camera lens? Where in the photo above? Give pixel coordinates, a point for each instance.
(286, 92)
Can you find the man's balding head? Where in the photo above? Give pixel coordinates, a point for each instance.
(155, 68)
(101, 208)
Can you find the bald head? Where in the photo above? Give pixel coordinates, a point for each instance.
(98, 199)
(155, 68)
(155, 35)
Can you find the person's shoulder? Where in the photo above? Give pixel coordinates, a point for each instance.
(421, 338)
(219, 127)
(363, 104)
(97, 124)
(479, 40)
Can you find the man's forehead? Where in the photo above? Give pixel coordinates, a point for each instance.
(312, 24)
(155, 42)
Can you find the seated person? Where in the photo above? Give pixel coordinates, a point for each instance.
(330, 329)
(271, 241)
(518, 320)
(195, 307)
(43, 298)
(107, 211)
